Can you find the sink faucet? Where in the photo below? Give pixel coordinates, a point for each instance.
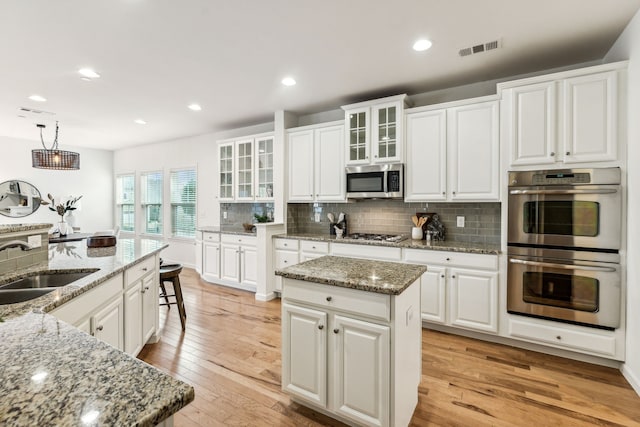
(16, 244)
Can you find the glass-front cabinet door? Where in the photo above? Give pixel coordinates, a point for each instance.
(387, 138)
(358, 135)
(225, 156)
(264, 168)
(374, 131)
(244, 156)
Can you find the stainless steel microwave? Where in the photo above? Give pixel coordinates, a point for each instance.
(383, 181)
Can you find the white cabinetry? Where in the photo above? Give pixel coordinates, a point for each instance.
(345, 352)
(351, 250)
(210, 256)
(140, 304)
(199, 250)
(563, 118)
(98, 312)
(453, 153)
(285, 255)
(458, 289)
(310, 249)
(316, 164)
(246, 168)
(374, 131)
(238, 261)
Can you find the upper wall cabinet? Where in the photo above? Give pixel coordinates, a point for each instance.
(246, 169)
(374, 131)
(316, 165)
(453, 153)
(564, 118)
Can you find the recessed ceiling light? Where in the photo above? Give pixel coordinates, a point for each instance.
(37, 98)
(195, 107)
(288, 81)
(421, 45)
(89, 73)
(140, 122)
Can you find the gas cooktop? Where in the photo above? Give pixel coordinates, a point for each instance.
(377, 237)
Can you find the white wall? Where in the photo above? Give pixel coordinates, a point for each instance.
(199, 152)
(628, 47)
(94, 181)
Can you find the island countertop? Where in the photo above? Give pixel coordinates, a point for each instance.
(54, 374)
(362, 274)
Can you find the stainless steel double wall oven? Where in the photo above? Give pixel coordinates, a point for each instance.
(564, 236)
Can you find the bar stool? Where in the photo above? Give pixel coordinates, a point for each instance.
(171, 273)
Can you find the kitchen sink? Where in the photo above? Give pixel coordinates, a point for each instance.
(36, 285)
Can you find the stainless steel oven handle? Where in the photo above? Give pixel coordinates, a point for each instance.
(578, 191)
(562, 266)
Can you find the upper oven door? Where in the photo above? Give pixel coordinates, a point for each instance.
(581, 216)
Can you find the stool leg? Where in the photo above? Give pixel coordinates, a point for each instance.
(164, 294)
(178, 291)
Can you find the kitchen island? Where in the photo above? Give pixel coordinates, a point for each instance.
(351, 338)
(54, 373)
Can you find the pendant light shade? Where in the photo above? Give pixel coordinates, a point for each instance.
(53, 158)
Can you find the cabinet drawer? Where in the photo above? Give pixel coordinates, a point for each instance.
(132, 274)
(364, 251)
(369, 304)
(446, 258)
(314, 246)
(286, 258)
(210, 237)
(238, 239)
(289, 244)
(79, 307)
(600, 342)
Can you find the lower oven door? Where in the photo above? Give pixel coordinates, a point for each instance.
(569, 290)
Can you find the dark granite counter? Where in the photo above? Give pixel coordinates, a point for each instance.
(472, 248)
(54, 374)
(365, 275)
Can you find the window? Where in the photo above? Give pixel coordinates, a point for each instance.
(151, 188)
(183, 203)
(125, 199)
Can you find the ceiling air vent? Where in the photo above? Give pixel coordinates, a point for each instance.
(479, 48)
(34, 111)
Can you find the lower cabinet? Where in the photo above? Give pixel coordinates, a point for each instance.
(121, 311)
(458, 289)
(352, 358)
(140, 305)
(239, 261)
(210, 254)
(98, 312)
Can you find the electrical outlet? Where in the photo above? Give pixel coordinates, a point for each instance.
(35, 241)
(460, 221)
(316, 217)
(224, 214)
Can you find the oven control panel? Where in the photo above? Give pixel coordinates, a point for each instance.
(561, 178)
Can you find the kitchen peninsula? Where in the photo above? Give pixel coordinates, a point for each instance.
(52, 372)
(351, 338)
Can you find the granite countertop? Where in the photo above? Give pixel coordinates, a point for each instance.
(15, 228)
(77, 257)
(362, 274)
(54, 374)
(233, 230)
(474, 248)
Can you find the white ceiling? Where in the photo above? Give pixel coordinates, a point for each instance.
(157, 56)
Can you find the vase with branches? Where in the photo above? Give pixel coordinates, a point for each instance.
(61, 208)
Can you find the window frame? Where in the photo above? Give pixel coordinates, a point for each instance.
(145, 204)
(119, 203)
(172, 206)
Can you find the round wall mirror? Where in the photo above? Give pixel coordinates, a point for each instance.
(18, 198)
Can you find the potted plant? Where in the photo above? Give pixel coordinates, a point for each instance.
(61, 209)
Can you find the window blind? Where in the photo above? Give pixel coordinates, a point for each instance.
(183, 203)
(125, 202)
(151, 189)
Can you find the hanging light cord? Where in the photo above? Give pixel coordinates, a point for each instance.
(55, 141)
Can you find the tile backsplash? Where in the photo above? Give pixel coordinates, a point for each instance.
(14, 259)
(239, 213)
(482, 220)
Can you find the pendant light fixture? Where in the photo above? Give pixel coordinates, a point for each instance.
(52, 158)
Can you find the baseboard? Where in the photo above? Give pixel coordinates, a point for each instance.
(631, 377)
(265, 297)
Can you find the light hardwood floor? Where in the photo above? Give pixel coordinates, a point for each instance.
(230, 353)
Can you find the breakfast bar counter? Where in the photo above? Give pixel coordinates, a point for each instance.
(54, 374)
